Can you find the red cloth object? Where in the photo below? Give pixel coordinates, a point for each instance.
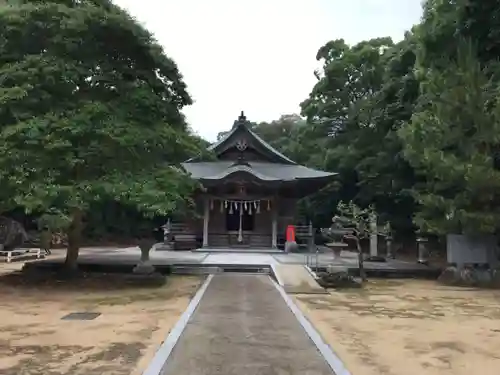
(290, 233)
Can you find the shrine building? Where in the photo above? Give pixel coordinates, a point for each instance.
(249, 192)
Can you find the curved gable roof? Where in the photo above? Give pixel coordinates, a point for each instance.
(219, 170)
(241, 127)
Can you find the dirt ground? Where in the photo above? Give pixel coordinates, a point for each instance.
(410, 327)
(122, 340)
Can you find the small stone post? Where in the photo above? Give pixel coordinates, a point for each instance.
(311, 241)
(389, 250)
(373, 235)
(45, 240)
(167, 235)
(423, 252)
(166, 232)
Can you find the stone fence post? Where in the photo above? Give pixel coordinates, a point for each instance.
(423, 251)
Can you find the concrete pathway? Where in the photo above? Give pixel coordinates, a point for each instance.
(243, 326)
(296, 279)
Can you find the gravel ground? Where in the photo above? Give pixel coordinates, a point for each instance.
(243, 326)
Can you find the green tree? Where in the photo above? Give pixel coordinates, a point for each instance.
(338, 108)
(287, 134)
(447, 22)
(355, 222)
(453, 128)
(349, 78)
(453, 142)
(89, 110)
(384, 176)
(363, 95)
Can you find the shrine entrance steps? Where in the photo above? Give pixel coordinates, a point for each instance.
(243, 325)
(296, 279)
(243, 250)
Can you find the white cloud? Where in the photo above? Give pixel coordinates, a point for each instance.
(259, 55)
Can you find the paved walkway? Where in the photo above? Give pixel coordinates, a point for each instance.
(296, 279)
(243, 326)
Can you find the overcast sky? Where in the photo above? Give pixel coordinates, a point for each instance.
(259, 55)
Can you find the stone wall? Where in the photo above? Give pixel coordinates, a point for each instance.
(462, 250)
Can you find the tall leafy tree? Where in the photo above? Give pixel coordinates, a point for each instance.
(289, 134)
(385, 177)
(89, 109)
(339, 107)
(364, 93)
(451, 139)
(349, 78)
(447, 22)
(453, 142)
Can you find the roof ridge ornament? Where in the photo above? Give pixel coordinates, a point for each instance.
(242, 120)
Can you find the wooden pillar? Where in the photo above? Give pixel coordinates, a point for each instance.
(274, 238)
(206, 217)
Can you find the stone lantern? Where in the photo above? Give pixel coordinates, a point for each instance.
(145, 242)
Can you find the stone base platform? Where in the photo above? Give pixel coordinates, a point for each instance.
(124, 260)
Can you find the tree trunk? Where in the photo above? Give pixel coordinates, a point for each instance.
(361, 266)
(74, 240)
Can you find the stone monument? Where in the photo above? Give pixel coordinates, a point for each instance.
(12, 234)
